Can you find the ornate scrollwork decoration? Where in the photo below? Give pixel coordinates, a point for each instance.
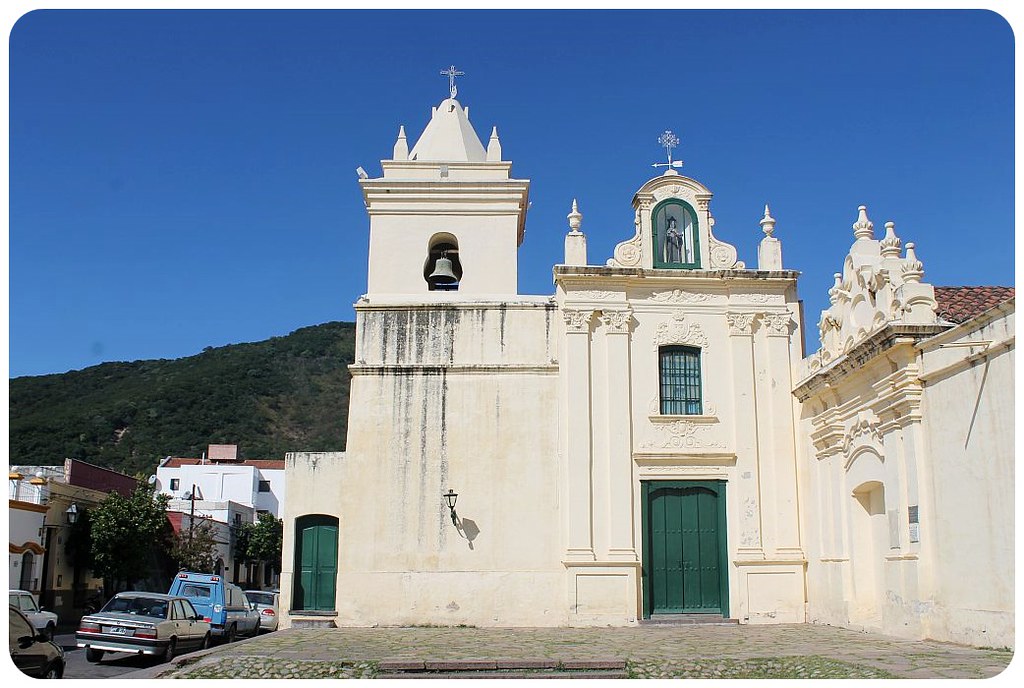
(741, 323)
(680, 296)
(677, 330)
(777, 323)
(616, 320)
(577, 320)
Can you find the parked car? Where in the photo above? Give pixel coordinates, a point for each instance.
(143, 623)
(31, 651)
(222, 604)
(45, 622)
(266, 604)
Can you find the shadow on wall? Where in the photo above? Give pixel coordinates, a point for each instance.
(468, 529)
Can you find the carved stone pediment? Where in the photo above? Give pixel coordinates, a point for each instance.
(876, 287)
(638, 250)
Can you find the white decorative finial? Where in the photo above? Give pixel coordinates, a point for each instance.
(767, 222)
(913, 269)
(890, 243)
(401, 146)
(668, 141)
(494, 147)
(451, 73)
(575, 219)
(863, 228)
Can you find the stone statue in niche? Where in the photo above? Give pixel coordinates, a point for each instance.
(673, 242)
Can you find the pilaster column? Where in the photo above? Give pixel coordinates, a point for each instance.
(619, 428)
(748, 466)
(780, 416)
(576, 367)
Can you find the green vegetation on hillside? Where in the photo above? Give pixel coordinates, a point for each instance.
(283, 394)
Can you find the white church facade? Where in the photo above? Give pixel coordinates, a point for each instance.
(648, 443)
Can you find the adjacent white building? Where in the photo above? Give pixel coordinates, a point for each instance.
(226, 491)
(219, 476)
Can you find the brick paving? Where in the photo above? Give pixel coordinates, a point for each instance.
(783, 651)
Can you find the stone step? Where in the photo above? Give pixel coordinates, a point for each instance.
(313, 623)
(688, 620)
(502, 668)
(515, 674)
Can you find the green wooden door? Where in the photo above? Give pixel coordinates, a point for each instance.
(316, 560)
(684, 556)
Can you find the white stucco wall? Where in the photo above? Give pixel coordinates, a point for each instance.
(969, 409)
(458, 398)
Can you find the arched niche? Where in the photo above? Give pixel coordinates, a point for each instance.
(442, 245)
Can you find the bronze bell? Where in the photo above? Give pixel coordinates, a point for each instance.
(443, 273)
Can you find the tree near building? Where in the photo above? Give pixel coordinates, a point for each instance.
(195, 548)
(261, 542)
(129, 536)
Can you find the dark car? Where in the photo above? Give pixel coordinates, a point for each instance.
(31, 652)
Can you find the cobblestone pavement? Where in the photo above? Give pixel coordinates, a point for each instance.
(784, 651)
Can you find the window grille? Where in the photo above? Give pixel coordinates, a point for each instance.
(679, 368)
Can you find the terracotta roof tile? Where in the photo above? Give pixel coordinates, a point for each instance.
(960, 304)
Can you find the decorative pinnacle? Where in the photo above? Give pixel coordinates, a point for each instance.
(575, 219)
(863, 228)
(890, 243)
(451, 73)
(668, 141)
(913, 269)
(767, 222)
(833, 293)
(401, 145)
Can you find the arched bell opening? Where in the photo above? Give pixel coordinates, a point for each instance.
(442, 269)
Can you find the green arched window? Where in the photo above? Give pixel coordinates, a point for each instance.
(676, 240)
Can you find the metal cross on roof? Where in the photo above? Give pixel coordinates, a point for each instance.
(668, 141)
(451, 73)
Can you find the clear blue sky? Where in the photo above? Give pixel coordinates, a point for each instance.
(186, 179)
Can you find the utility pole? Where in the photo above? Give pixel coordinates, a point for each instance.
(192, 512)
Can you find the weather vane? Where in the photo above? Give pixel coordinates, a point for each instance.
(668, 141)
(451, 73)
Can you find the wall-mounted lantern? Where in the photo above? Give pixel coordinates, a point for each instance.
(72, 514)
(450, 497)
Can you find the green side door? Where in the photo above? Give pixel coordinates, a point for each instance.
(684, 553)
(317, 562)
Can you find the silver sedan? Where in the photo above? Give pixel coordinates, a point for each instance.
(143, 623)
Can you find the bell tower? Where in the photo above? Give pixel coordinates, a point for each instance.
(446, 218)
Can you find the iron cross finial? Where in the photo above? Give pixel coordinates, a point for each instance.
(668, 141)
(451, 73)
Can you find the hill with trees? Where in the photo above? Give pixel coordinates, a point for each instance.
(283, 394)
